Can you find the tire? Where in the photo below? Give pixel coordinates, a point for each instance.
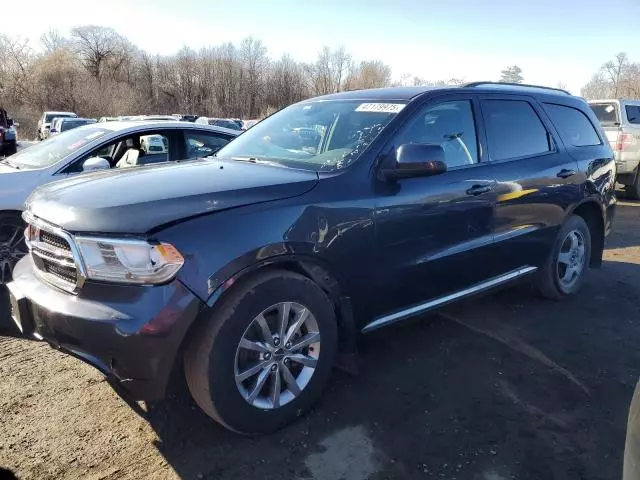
(12, 244)
(11, 149)
(214, 358)
(633, 190)
(564, 262)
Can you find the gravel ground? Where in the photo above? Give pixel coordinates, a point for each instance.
(503, 387)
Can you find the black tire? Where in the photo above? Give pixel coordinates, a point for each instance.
(548, 279)
(10, 149)
(11, 232)
(210, 359)
(633, 190)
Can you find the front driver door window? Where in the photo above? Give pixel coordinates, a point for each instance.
(434, 234)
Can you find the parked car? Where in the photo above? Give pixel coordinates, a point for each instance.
(62, 124)
(91, 147)
(247, 124)
(256, 267)
(108, 119)
(8, 134)
(219, 122)
(621, 121)
(44, 124)
(186, 118)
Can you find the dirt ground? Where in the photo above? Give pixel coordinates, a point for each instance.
(503, 387)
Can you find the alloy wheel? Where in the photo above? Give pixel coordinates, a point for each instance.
(12, 248)
(571, 259)
(277, 355)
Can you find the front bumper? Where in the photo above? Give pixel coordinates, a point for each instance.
(130, 333)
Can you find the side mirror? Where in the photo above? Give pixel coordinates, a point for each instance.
(417, 160)
(95, 163)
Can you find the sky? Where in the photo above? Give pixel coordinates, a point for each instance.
(551, 40)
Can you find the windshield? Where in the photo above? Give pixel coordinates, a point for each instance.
(321, 135)
(607, 113)
(56, 148)
(51, 116)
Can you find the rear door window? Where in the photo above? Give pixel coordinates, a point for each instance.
(607, 113)
(633, 113)
(514, 130)
(574, 126)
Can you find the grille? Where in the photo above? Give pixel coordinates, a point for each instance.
(52, 254)
(54, 240)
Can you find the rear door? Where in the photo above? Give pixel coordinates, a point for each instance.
(537, 180)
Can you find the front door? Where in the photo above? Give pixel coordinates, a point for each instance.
(434, 234)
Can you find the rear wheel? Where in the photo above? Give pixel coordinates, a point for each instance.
(12, 244)
(563, 273)
(633, 190)
(10, 149)
(265, 355)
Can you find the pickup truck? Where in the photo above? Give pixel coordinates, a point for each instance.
(8, 136)
(621, 122)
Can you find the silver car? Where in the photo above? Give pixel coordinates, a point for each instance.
(98, 146)
(621, 122)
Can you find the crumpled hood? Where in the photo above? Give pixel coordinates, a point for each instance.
(137, 200)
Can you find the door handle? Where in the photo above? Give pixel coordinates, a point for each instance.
(478, 189)
(566, 173)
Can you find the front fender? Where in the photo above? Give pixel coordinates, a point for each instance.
(219, 247)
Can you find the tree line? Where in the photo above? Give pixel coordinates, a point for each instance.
(96, 72)
(617, 78)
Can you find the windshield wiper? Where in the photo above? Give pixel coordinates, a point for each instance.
(257, 160)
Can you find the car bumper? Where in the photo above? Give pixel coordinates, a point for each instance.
(131, 334)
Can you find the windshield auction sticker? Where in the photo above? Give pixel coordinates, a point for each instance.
(380, 107)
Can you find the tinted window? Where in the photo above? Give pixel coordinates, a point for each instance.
(574, 126)
(203, 144)
(513, 129)
(226, 124)
(450, 125)
(633, 113)
(607, 113)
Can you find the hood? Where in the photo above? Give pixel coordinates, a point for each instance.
(137, 200)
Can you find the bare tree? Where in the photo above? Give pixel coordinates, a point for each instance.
(614, 71)
(95, 45)
(52, 40)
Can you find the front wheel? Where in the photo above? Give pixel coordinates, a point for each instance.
(12, 244)
(564, 272)
(265, 355)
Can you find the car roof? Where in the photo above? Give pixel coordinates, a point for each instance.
(134, 125)
(617, 100)
(409, 93)
(53, 112)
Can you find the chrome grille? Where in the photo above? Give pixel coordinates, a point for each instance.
(54, 254)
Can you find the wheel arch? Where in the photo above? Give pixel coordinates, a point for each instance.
(592, 213)
(326, 276)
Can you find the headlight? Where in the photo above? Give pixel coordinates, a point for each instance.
(128, 261)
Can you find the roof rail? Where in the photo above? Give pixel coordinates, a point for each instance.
(478, 84)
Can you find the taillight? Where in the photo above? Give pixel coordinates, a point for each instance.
(624, 140)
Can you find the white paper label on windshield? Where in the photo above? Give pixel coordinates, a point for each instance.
(380, 107)
(609, 109)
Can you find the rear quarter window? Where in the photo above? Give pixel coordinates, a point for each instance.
(633, 114)
(574, 126)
